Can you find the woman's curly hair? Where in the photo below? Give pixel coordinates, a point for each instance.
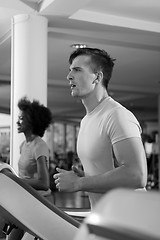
(38, 116)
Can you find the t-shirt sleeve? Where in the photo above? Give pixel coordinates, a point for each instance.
(41, 149)
(122, 124)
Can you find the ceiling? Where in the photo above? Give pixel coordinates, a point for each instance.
(128, 30)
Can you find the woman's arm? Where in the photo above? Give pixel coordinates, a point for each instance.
(42, 182)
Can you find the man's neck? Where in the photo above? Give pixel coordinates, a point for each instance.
(91, 102)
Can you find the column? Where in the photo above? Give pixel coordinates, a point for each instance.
(158, 141)
(29, 38)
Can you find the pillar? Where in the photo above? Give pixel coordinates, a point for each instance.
(158, 141)
(29, 38)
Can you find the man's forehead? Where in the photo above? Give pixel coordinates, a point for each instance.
(81, 60)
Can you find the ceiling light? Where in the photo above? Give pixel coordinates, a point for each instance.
(78, 45)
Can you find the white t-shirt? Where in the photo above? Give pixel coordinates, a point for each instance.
(107, 124)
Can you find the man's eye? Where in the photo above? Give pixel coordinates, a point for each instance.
(77, 69)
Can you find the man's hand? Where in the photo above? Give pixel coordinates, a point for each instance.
(67, 181)
(77, 171)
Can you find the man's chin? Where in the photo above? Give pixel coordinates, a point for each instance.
(73, 94)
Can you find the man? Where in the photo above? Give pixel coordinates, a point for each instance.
(108, 133)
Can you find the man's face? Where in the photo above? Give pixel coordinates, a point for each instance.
(81, 78)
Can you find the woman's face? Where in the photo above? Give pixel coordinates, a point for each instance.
(23, 123)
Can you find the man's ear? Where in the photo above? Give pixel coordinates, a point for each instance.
(95, 81)
(99, 76)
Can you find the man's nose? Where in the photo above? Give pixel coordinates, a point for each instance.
(69, 77)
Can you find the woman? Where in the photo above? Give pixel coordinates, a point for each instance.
(33, 120)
